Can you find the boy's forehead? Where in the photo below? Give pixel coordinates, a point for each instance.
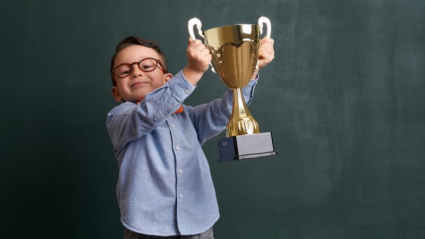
(135, 53)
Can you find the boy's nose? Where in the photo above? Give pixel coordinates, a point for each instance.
(136, 72)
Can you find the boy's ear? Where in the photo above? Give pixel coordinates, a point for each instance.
(168, 77)
(116, 94)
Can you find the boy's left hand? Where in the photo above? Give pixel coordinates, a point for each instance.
(266, 52)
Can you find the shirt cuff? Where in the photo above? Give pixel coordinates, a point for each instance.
(180, 86)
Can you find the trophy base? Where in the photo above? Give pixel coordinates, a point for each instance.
(245, 147)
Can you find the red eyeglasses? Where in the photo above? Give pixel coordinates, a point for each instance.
(146, 65)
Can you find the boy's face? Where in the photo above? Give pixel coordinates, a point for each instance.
(135, 86)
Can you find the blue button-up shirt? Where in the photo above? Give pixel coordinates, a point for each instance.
(164, 186)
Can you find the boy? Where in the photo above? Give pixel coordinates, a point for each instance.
(165, 188)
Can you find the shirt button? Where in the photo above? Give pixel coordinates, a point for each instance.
(172, 126)
(180, 196)
(187, 91)
(177, 148)
(180, 171)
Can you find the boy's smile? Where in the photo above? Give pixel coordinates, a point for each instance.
(138, 83)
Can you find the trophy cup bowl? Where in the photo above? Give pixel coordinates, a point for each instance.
(234, 51)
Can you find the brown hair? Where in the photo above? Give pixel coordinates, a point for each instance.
(132, 40)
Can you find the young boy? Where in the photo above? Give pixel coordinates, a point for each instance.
(164, 188)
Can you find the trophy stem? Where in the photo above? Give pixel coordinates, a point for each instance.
(241, 121)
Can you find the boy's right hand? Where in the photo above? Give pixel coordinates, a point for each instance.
(199, 58)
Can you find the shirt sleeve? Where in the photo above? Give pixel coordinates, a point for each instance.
(130, 121)
(211, 119)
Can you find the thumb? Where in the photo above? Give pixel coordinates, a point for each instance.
(262, 63)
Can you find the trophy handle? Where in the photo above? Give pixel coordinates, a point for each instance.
(265, 20)
(261, 22)
(192, 22)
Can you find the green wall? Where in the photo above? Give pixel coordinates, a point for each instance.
(344, 98)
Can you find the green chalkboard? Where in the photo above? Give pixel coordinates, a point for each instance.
(344, 99)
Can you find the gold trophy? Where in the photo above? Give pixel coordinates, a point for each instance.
(234, 52)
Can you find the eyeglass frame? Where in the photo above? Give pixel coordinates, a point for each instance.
(138, 65)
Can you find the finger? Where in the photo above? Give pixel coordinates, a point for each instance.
(267, 40)
(205, 52)
(199, 47)
(267, 58)
(266, 48)
(194, 44)
(261, 63)
(205, 60)
(267, 45)
(208, 58)
(270, 41)
(264, 52)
